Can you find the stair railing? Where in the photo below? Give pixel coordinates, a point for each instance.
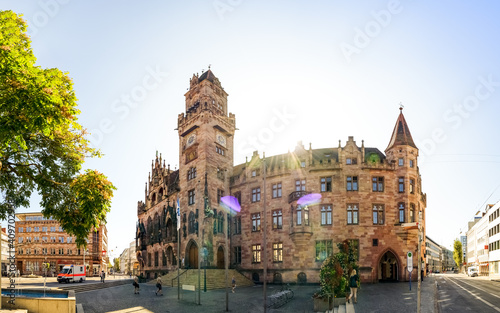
(178, 276)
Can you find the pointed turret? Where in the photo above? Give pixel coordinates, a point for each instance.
(401, 134)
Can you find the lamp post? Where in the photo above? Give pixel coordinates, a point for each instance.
(205, 269)
(84, 265)
(44, 269)
(419, 258)
(264, 241)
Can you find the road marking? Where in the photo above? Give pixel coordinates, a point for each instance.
(478, 298)
(494, 295)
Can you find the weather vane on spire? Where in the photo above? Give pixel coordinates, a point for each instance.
(209, 66)
(401, 106)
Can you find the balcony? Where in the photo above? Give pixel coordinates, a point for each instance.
(296, 195)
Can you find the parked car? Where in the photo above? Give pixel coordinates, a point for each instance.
(472, 271)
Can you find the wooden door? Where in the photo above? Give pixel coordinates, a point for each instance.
(193, 256)
(220, 258)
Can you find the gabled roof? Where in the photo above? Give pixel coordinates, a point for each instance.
(401, 134)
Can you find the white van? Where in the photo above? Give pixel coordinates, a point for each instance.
(472, 271)
(72, 273)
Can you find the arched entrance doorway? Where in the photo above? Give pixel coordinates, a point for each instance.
(388, 269)
(170, 256)
(220, 257)
(192, 259)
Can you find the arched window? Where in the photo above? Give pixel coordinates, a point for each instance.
(220, 220)
(191, 220)
(301, 278)
(149, 231)
(169, 230)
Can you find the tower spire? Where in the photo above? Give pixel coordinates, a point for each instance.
(401, 134)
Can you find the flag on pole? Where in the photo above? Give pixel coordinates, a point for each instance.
(178, 215)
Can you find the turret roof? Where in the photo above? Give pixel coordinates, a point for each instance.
(401, 134)
(207, 75)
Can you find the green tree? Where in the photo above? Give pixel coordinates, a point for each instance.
(116, 264)
(42, 146)
(457, 252)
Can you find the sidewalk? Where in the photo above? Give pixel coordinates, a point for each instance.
(382, 297)
(397, 297)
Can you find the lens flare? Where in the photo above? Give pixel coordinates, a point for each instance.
(231, 202)
(312, 198)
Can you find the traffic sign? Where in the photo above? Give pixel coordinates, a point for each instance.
(409, 261)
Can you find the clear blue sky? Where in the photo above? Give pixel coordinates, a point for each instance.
(326, 69)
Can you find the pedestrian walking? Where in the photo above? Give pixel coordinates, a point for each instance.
(136, 285)
(158, 286)
(103, 275)
(353, 283)
(233, 283)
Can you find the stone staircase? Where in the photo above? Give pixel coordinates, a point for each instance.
(215, 278)
(343, 308)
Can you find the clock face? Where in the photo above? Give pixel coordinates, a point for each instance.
(221, 140)
(191, 139)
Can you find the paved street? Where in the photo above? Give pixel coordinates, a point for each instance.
(387, 298)
(51, 282)
(460, 293)
(382, 297)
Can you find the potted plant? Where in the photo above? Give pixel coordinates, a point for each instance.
(334, 277)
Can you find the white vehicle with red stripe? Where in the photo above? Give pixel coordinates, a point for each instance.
(72, 273)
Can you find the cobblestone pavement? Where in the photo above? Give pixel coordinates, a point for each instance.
(382, 297)
(397, 297)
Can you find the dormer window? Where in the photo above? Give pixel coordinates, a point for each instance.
(350, 161)
(303, 164)
(401, 162)
(254, 173)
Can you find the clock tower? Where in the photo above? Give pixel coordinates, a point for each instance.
(206, 132)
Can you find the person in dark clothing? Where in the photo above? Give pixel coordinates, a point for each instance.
(159, 291)
(136, 285)
(353, 283)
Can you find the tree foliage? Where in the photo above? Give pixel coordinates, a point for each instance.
(457, 252)
(42, 146)
(336, 269)
(116, 265)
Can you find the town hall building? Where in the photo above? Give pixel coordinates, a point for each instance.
(369, 197)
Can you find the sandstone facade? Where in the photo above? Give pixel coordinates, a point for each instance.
(365, 195)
